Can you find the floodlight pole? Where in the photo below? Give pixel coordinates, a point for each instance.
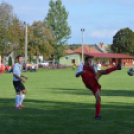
(82, 43)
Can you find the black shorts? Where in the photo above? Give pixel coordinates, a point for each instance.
(18, 86)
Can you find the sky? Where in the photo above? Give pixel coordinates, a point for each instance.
(101, 19)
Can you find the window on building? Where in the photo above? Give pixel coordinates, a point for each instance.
(66, 58)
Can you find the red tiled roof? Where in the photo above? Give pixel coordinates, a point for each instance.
(86, 49)
(69, 51)
(108, 55)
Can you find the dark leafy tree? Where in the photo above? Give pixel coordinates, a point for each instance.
(123, 42)
(10, 61)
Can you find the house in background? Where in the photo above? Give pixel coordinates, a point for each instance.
(86, 49)
(11, 54)
(106, 59)
(101, 47)
(69, 51)
(37, 58)
(75, 57)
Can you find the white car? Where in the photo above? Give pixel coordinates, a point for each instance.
(43, 64)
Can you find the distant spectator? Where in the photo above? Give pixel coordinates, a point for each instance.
(36, 67)
(74, 66)
(33, 67)
(113, 63)
(124, 64)
(7, 68)
(98, 66)
(1, 69)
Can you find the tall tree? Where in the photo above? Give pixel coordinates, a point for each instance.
(57, 22)
(6, 12)
(40, 40)
(123, 42)
(10, 29)
(18, 41)
(10, 61)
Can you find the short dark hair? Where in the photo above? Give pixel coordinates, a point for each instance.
(88, 57)
(19, 56)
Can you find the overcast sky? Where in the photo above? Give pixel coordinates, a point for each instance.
(100, 18)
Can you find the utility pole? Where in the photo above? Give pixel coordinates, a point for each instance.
(26, 30)
(82, 44)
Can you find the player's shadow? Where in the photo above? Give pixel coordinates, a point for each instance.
(109, 92)
(104, 92)
(53, 117)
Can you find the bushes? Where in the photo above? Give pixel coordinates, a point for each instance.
(31, 61)
(10, 61)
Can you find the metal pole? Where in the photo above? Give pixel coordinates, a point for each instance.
(26, 43)
(82, 46)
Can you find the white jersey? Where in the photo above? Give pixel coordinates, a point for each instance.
(16, 71)
(80, 68)
(33, 66)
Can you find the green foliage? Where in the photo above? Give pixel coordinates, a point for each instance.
(74, 46)
(10, 61)
(11, 31)
(33, 61)
(12, 35)
(39, 60)
(29, 60)
(57, 22)
(123, 42)
(40, 40)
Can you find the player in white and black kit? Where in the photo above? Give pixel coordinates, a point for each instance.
(17, 82)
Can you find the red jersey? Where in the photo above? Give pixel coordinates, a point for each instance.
(7, 68)
(1, 67)
(88, 78)
(90, 73)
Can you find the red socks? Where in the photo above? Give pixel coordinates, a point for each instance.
(98, 108)
(109, 70)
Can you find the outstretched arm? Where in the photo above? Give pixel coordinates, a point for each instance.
(80, 73)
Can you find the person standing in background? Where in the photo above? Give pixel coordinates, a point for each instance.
(2, 68)
(17, 82)
(113, 63)
(98, 66)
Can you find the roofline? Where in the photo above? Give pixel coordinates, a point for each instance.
(102, 53)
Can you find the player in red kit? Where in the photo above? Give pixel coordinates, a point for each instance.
(90, 79)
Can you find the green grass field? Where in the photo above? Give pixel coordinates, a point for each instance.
(58, 103)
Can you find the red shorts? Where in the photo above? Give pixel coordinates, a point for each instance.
(93, 85)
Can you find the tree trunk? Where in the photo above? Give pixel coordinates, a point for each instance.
(37, 59)
(53, 60)
(43, 58)
(0, 59)
(3, 60)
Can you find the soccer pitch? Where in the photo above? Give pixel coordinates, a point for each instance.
(58, 103)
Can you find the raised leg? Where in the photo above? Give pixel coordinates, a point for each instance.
(99, 74)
